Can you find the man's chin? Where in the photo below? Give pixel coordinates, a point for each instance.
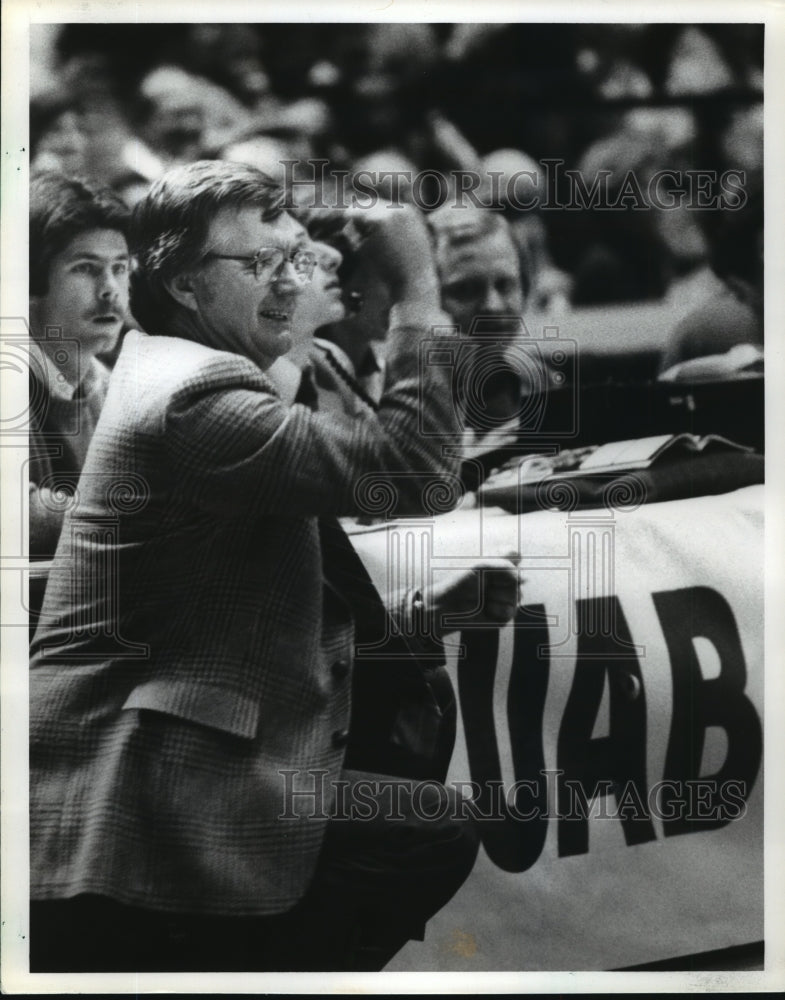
(276, 345)
(100, 341)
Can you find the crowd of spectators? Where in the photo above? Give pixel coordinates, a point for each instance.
(119, 103)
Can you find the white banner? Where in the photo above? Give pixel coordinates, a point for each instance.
(634, 671)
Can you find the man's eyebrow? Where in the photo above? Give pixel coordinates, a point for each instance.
(298, 241)
(301, 235)
(88, 255)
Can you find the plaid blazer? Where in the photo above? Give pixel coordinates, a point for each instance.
(193, 660)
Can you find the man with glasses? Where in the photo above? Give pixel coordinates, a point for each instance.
(190, 679)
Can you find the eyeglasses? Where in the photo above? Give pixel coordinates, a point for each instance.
(268, 261)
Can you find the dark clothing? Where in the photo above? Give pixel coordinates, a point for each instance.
(60, 433)
(377, 882)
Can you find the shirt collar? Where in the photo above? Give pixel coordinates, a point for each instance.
(286, 377)
(57, 385)
(337, 352)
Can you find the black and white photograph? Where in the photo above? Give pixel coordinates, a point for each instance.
(391, 563)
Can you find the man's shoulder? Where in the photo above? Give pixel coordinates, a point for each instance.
(155, 375)
(176, 355)
(165, 366)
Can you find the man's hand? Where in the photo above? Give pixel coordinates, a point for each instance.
(487, 593)
(397, 243)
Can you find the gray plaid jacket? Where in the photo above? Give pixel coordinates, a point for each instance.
(190, 650)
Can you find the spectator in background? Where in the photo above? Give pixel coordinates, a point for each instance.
(82, 128)
(511, 85)
(182, 117)
(321, 301)
(632, 254)
(79, 268)
(731, 137)
(230, 56)
(606, 57)
(546, 287)
(725, 334)
(91, 77)
(292, 133)
(478, 267)
(696, 64)
(481, 290)
(383, 67)
(353, 346)
(57, 139)
(261, 151)
(741, 142)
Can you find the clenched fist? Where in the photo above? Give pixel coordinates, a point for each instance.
(487, 593)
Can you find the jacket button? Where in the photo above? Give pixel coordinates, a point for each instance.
(630, 685)
(340, 738)
(340, 669)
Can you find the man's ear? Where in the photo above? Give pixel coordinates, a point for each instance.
(181, 288)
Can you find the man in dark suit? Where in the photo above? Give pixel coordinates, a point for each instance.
(190, 678)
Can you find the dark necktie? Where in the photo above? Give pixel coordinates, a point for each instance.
(307, 394)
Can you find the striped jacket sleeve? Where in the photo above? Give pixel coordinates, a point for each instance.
(237, 450)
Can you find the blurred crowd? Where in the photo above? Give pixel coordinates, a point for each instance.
(120, 103)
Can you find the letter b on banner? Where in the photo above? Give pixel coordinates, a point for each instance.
(699, 703)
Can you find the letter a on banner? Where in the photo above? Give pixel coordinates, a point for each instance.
(592, 765)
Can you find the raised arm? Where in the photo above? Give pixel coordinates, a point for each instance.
(237, 448)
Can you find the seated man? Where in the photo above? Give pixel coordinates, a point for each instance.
(498, 374)
(481, 290)
(79, 269)
(190, 686)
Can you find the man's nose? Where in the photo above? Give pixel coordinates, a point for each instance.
(109, 286)
(330, 259)
(287, 278)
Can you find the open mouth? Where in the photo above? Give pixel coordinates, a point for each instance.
(275, 315)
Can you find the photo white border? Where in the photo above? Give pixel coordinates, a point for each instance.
(17, 15)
